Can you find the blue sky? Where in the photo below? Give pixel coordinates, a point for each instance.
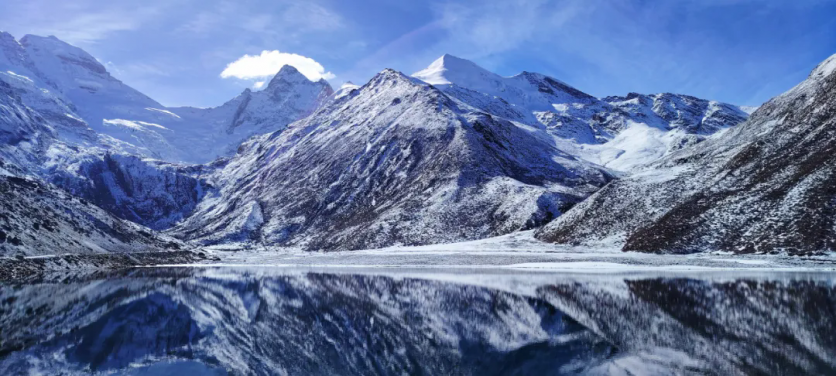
(738, 51)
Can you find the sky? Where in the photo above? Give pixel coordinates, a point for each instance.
(204, 52)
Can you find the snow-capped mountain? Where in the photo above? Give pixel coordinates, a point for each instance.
(394, 162)
(82, 81)
(50, 142)
(38, 218)
(288, 97)
(128, 121)
(344, 90)
(456, 153)
(764, 186)
(52, 92)
(526, 97)
(620, 133)
(677, 111)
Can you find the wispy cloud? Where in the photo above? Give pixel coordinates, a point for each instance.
(268, 63)
(289, 19)
(493, 27)
(81, 22)
(477, 30)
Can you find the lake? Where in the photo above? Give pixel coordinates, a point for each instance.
(286, 321)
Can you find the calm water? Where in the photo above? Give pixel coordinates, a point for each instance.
(273, 321)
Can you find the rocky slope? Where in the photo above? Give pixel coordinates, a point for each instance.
(151, 193)
(37, 219)
(394, 162)
(764, 186)
(61, 149)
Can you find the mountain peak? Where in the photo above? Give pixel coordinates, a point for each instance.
(10, 49)
(287, 75)
(6, 36)
(391, 75)
(825, 68)
(449, 69)
(51, 40)
(450, 60)
(40, 47)
(288, 70)
(345, 89)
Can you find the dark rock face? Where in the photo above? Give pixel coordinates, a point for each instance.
(150, 193)
(766, 186)
(675, 111)
(396, 162)
(39, 219)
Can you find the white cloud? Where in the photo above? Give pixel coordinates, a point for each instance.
(267, 64)
(258, 85)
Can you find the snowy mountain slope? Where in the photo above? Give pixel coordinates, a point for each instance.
(44, 134)
(37, 219)
(128, 121)
(84, 81)
(39, 144)
(526, 97)
(23, 132)
(344, 90)
(676, 111)
(288, 97)
(395, 162)
(764, 186)
(621, 133)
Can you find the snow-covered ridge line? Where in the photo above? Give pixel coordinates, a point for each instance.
(762, 187)
(621, 133)
(453, 153)
(185, 134)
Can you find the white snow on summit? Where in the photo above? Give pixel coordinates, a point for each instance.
(621, 133)
(129, 121)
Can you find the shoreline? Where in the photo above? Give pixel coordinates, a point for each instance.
(17, 270)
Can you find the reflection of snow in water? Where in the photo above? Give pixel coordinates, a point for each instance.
(435, 321)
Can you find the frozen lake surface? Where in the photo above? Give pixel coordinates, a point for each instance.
(519, 251)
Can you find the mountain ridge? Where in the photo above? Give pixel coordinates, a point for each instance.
(397, 161)
(764, 187)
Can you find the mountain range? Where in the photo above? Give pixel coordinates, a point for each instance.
(764, 187)
(453, 152)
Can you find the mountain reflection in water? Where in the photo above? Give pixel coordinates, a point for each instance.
(241, 321)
